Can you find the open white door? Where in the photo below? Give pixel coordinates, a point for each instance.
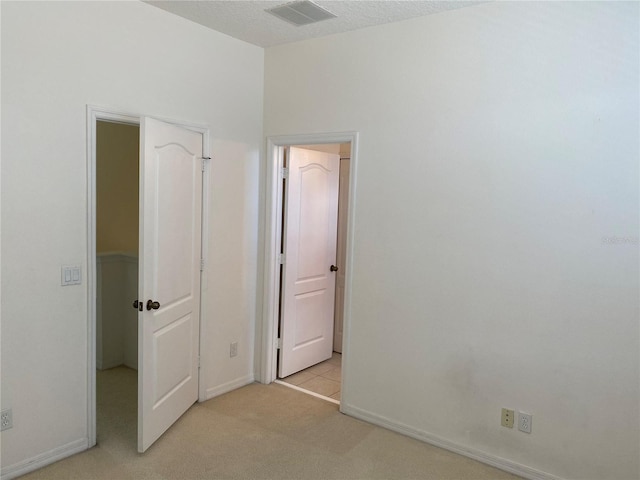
(308, 284)
(169, 275)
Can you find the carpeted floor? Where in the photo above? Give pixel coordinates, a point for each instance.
(256, 432)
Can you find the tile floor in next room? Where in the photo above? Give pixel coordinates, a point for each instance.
(323, 378)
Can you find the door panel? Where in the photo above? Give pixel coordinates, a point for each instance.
(170, 251)
(308, 293)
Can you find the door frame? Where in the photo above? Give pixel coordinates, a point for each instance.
(95, 114)
(273, 237)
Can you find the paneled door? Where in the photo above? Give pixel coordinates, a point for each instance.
(169, 275)
(309, 273)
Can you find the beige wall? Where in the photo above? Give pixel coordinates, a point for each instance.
(117, 164)
(343, 149)
(498, 163)
(326, 148)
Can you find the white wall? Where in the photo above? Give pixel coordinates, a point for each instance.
(498, 157)
(57, 58)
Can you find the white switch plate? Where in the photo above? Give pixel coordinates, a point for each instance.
(71, 275)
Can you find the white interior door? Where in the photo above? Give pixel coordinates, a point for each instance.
(169, 274)
(308, 284)
(343, 202)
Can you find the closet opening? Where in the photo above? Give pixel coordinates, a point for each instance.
(117, 225)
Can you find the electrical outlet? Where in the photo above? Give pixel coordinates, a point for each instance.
(6, 419)
(507, 418)
(233, 349)
(524, 422)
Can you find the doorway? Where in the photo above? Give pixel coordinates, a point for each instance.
(173, 188)
(310, 326)
(276, 231)
(117, 227)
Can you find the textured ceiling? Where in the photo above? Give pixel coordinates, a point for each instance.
(247, 20)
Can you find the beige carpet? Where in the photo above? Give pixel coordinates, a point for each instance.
(256, 432)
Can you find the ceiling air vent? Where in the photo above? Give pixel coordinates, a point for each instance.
(301, 13)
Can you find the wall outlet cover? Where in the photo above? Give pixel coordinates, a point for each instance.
(6, 419)
(524, 422)
(507, 418)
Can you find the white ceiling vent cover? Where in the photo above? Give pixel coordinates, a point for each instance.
(301, 13)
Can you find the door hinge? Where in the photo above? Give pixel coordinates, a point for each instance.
(285, 172)
(198, 362)
(202, 264)
(278, 343)
(282, 258)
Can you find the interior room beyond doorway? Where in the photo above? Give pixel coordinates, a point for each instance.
(322, 378)
(117, 200)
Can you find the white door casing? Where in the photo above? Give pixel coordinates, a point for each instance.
(343, 203)
(308, 284)
(170, 253)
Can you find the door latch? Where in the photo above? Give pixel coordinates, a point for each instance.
(137, 305)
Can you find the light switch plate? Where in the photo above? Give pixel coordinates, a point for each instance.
(71, 275)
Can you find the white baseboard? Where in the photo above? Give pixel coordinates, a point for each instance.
(44, 459)
(494, 461)
(229, 386)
